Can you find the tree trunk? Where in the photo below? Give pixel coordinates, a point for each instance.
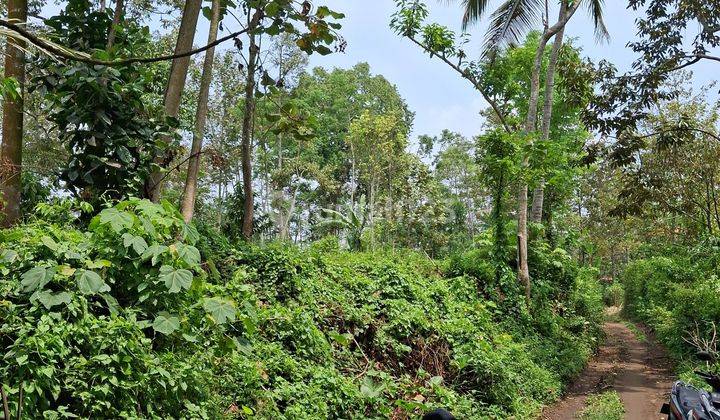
(190, 193)
(539, 193)
(247, 128)
(117, 15)
(529, 129)
(12, 125)
(176, 85)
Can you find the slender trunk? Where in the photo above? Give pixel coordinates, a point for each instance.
(247, 129)
(190, 193)
(529, 131)
(175, 87)
(12, 125)
(539, 193)
(117, 15)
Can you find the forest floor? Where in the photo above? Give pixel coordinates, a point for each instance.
(629, 362)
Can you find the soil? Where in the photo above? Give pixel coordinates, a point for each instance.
(639, 370)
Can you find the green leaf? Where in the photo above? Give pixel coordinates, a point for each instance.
(90, 282)
(188, 253)
(118, 220)
(36, 278)
(136, 242)
(221, 310)
(166, 323)
(50, 299)
(49, 242)
(175, 280)
(8, 256)
(153, 252)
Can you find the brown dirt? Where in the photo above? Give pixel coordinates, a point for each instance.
(637, 370)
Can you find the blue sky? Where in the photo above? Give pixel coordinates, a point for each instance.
(438, 96)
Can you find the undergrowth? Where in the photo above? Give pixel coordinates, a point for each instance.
(123, 318)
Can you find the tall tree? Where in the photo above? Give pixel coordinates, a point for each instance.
(176, 84)
(12, 126)
(191, 181)
(247, 125)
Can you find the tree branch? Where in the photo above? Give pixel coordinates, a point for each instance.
(469, 78)
(70, 54)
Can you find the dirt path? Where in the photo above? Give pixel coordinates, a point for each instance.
(637, 370)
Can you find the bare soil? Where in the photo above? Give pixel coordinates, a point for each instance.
(638, 370)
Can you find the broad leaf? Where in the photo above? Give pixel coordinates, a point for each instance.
(118, 220)
(175, 280)
(166, 323)
(90, 282)
(153, 252)
(188, 253)
(36, 278)
(136, 242)
(221, 310)
(50, 299)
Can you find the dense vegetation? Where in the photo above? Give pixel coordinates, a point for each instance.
(223, 232)
(122, 318)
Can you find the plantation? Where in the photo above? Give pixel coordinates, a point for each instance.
(275, 209)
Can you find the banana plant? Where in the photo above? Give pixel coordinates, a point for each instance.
(356, 218)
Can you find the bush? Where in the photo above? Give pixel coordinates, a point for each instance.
(119, 319)
(614, 294)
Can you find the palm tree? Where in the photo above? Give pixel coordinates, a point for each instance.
(509, 23)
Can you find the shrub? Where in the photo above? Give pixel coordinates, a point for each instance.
(614, 294)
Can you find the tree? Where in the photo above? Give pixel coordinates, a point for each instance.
(508, 24)
(190, 192)
(175, 86)
(12, 126)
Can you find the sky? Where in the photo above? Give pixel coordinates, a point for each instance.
(440, 98)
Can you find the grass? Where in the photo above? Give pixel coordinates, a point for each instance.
(639, 334)
(605, 406)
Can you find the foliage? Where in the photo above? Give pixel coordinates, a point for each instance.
(120, 319)
(677, 297)
(614, 294)
(605, 406)
(91, 318)
(101, 112)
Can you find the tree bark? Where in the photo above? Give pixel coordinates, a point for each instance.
(529, 129)
(12, 125)
(117, 15)
(539, 193)
(176, 84)
(190, 193)
(247, 128)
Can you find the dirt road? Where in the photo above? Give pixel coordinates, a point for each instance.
(637, 369)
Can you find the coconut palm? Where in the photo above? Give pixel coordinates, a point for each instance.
(512, 20)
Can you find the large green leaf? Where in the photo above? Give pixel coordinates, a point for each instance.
(118, 220)
(136, 242)
(188, 253)
(221, 310)
(36, 278)
(50, 299)
(166, 323)
(175, 280)
(153, 252)
(90, 282)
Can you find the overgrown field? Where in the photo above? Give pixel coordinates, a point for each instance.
(125, 318)
(678, 296)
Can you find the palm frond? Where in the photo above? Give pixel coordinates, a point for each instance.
(510, 23)
(473, 11)
(595, 10)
